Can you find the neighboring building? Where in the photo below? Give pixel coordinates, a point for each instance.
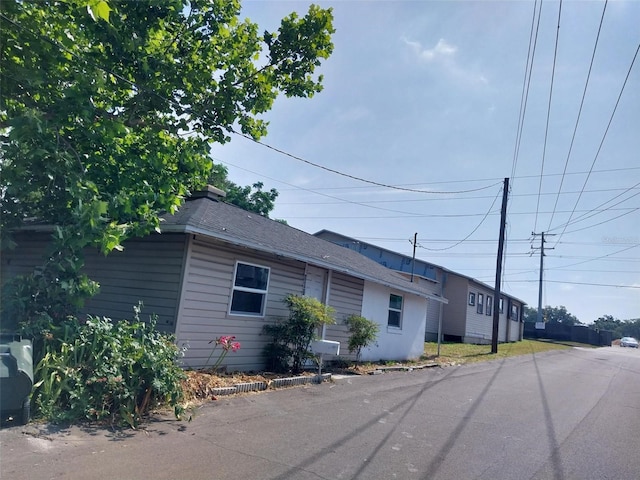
(468, 315)
(219, 270)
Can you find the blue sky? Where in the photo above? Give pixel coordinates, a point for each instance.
(427, 96)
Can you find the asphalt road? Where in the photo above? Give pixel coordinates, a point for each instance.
(571, 414)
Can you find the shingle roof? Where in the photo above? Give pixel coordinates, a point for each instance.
(321, 232)
(211, 217)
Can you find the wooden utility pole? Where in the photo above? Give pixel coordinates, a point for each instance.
(496, 292)
(413, 260)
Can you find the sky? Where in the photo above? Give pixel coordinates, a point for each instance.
(428, 106)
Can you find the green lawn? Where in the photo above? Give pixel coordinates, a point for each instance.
(460, 353)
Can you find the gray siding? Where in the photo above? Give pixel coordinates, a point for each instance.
(29, 253)
(205, 304)
(148, 270)
(455, 312)
(345, 296)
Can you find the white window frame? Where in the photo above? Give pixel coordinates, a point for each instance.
(480, 303)
(395, 327)
(489, 305)
(235, 288)
(472, 299)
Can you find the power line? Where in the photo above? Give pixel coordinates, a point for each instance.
(420, 200)
(605, 221)
(579, 283)
(353, 177)
(584, 93)
(546, 130)
(628, 210)
(604, 136)
(492, 179)
(603, 257)
(472, 231)
(595, 211)
(531, 51)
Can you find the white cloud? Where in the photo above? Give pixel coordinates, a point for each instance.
(441, 50)
(444, 55)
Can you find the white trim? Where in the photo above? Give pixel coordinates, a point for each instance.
(235, 288)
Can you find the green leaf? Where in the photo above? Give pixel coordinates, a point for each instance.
(100, 9)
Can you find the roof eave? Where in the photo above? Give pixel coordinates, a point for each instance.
(193, 230)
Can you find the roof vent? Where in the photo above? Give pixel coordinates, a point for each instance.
(209, 191)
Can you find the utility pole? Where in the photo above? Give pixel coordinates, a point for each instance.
(413, 260)
(496, 292)
(539, 319)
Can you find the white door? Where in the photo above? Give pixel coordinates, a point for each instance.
(315, 283)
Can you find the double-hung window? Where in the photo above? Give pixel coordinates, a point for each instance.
(480, 305)
(489, 305)
(250, 285)
(395, 311)
(472, 298)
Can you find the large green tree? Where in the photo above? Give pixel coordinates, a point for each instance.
(551, 315)
(109, 109)
(250, 197)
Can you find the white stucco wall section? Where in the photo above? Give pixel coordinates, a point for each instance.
(393, 343)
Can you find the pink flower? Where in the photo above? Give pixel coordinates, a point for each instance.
(235, 346)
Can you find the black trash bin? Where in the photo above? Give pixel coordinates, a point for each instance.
(16, 377)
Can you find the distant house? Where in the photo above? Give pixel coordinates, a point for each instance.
(219, 270)
(468, 315)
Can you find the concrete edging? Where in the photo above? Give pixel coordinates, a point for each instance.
(275, 383)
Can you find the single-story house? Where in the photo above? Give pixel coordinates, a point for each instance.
(217, 269)
(468, 315)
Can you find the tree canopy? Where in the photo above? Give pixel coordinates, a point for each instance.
(109, 108)
(620, 328)
(551, 315)
(250, 197)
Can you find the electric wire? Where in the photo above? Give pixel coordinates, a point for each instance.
(472, 231)
(353, 177)
(531, 51)
(595, 211)
(604, 136)
(546, 131)
(492, 179)
(231, 129)
(584, 94)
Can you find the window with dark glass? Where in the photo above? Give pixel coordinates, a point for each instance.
(472, 298)
(489, 305)
(480, 307)
(249, 289)
(395, 311)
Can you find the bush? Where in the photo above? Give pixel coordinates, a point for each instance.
(100, 369)
(363, 333)
(291, 337)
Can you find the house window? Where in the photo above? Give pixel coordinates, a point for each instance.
(514, 312)
(395, 311)
(489, 305)
(249, 290)
(480, 308)
(472, 298)
(501, 305)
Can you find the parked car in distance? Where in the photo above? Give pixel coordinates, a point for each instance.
(629, 342)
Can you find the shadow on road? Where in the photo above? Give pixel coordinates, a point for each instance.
(551, 432)
(411, 401)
